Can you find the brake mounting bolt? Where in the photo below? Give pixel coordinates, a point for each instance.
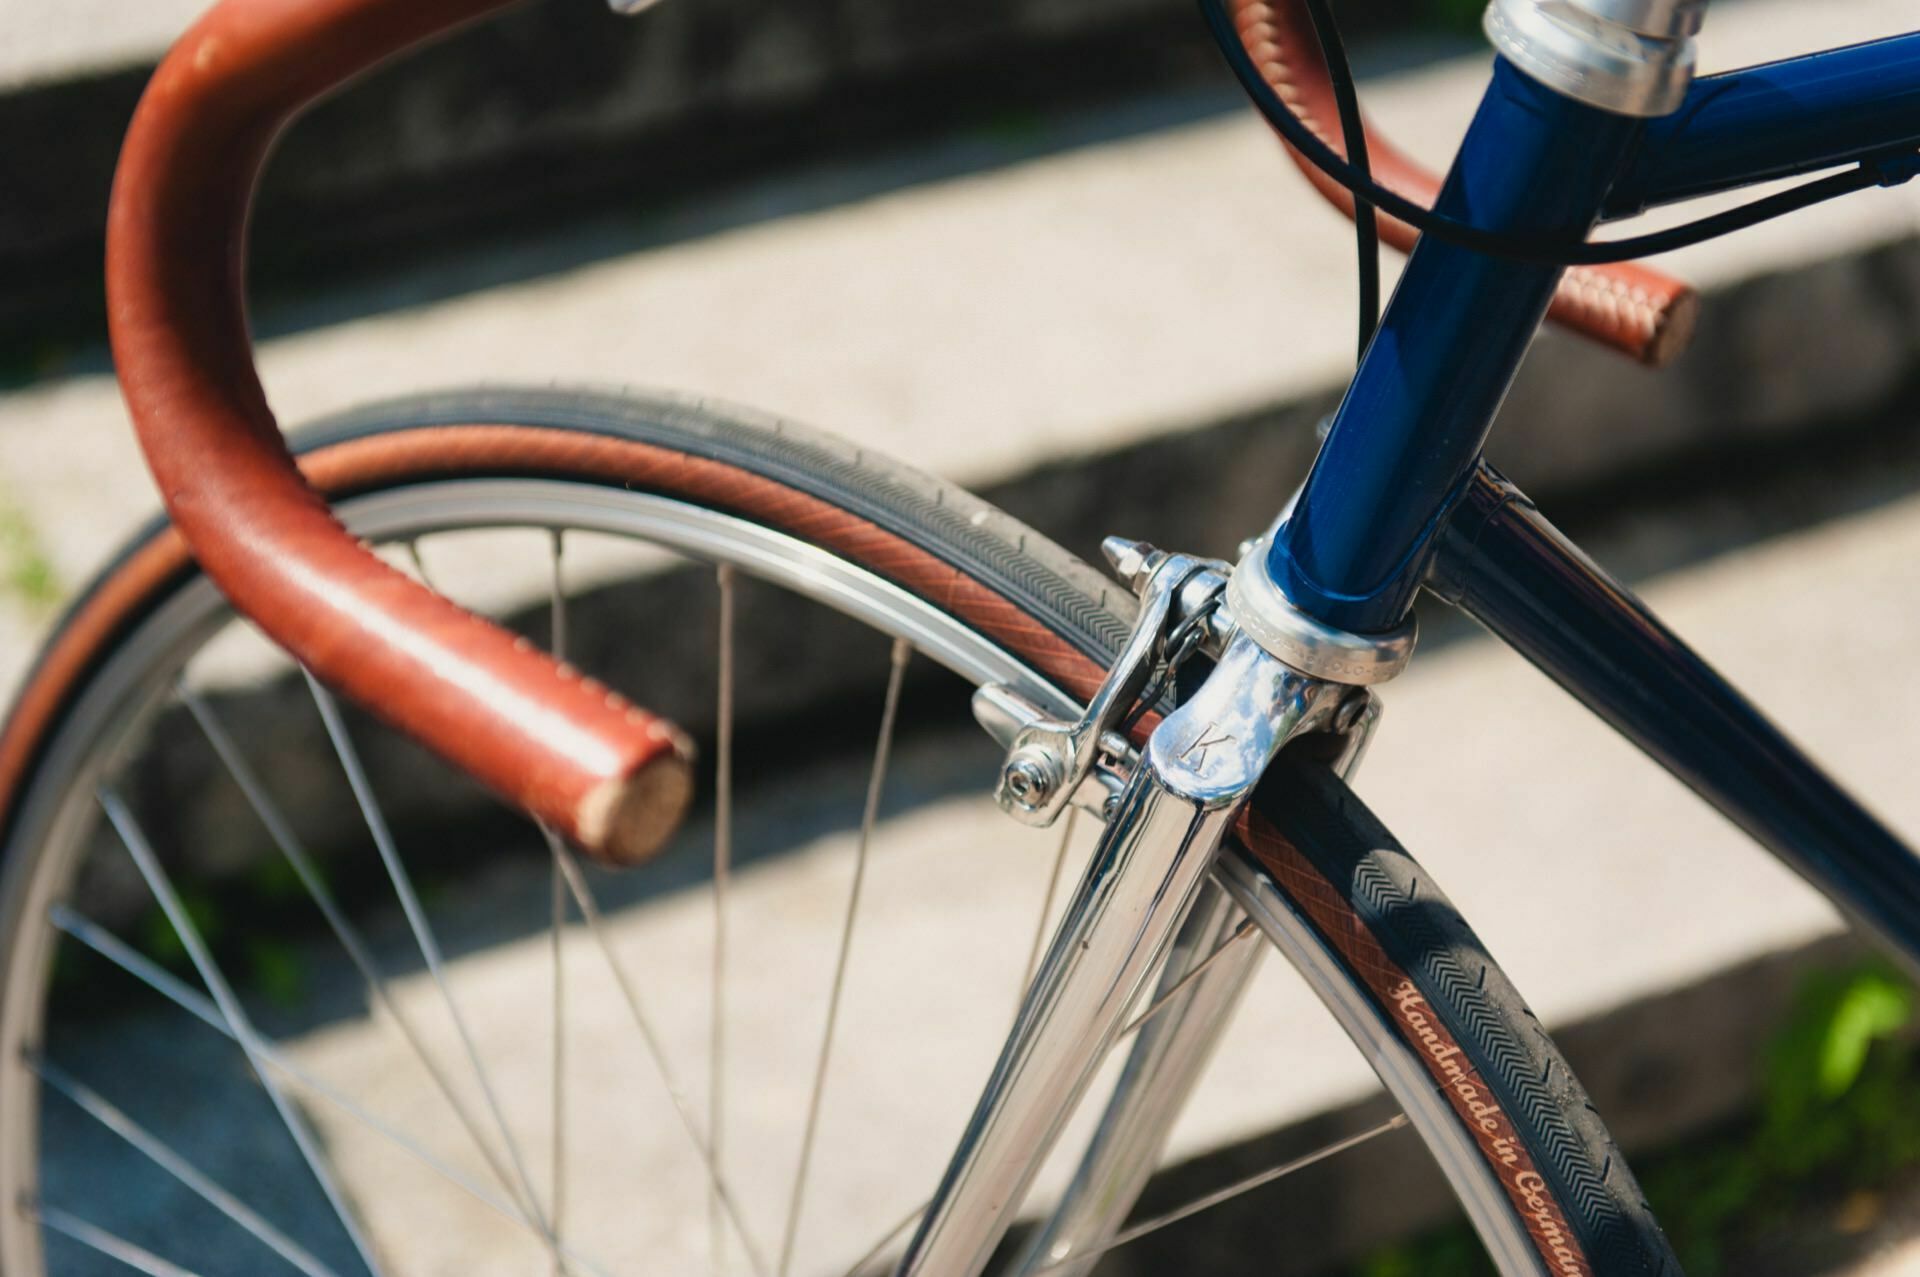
(1030, 781)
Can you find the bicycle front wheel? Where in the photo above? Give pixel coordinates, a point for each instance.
(392, 1029)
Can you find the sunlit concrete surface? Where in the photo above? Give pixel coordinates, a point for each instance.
(976, 326)
(981, 326)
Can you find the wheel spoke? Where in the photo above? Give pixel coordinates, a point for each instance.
(557, 1196)
(876, 781)
(420, 564)
(280, 830)
(1229, 1192)
(1167, 996)
(722, 876)
(98, 1239)
(423, 935)
(590, 911)
(874, 1251)
(198, 1005)
(143, 969)
(557, 915)
(158, 882)
(96, 1106)
(1046, 906)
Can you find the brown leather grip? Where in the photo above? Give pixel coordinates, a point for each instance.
(612, 778)
(1632, 308)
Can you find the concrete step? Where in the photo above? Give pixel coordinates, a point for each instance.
(1163, 309)
(1127, 291)
(543, 112)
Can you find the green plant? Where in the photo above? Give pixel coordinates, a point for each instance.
(156, 937)
(25, 566)
(1454, 15)
(274, 967)
(1834, 1116)
(1451, 1254)
(1834, 1073)
(31, 361)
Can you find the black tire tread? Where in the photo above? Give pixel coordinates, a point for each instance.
(1429, 940)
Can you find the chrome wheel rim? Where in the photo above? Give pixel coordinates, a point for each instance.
(58, 809)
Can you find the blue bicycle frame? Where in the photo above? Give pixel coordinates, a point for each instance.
(1399, 498)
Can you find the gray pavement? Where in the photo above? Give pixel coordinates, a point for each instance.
(978, 327)
(984, 326)
(52, 42)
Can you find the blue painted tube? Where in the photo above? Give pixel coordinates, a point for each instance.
(1779, 120)
(1501, 561)
(1410, 430)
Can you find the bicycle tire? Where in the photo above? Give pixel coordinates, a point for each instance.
(1399, 946)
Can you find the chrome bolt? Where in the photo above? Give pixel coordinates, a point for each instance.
(1133, 561)
(1030, 779)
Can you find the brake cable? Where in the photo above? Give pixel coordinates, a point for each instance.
(1353, 131)
(1539, 250)
(1181, 643)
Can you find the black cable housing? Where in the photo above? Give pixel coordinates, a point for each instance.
(1353, 131)
(1538, 250)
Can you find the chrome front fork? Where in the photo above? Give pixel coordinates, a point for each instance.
(1164, 1063)
(1178, 803)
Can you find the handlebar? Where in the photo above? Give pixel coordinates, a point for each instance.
(610, 777)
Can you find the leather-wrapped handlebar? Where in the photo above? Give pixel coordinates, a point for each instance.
(1634, 309)
(612, 778)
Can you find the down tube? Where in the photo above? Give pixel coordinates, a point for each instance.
(1502, 562)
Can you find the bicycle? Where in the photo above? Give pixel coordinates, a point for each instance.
(1203, 714)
